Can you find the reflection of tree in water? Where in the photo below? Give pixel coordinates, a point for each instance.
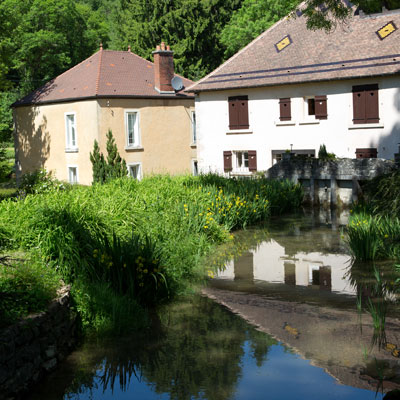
(196, 354)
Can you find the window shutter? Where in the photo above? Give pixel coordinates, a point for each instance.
(371, 104)
(252, 160)
(242, 102)
(238, 112)
(285, 111)
(358, 105)
(227, 161)
(321, 110)
(233, 113)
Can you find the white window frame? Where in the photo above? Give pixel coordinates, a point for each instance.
(69, 167)
(308, 119)
(194, 131)
(136, 133)
(70, 146)
(235, 162)
(195, 170)
(135, 164)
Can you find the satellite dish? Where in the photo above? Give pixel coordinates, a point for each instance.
(177, 83)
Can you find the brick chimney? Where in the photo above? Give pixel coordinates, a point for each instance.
(163, 69)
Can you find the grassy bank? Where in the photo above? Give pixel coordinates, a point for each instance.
(136, 240)
(374, 225)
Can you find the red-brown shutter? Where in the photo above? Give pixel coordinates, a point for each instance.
(238, 112)
(233, 113)
(227, 161)
(252, 160)
(285, 111)
(321, 109)
(365, 104)
(358, 105)
(242, 103)
(371, 104)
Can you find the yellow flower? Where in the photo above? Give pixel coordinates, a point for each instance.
(145, 271)
(210, 274)
(386, 236)
(205, 226)
(124, 265)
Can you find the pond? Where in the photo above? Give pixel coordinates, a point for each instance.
(286, 316)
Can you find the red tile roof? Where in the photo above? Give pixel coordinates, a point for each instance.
(107, 73)
(288, 53)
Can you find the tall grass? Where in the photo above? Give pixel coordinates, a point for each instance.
(373, 237)
(143, 239)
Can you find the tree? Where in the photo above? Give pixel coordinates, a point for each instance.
(116, 166)
(253, 18)
(98, 164)
(191, 27)
(326, 14)
(112, 168)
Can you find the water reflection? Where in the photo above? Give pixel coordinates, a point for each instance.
(202, 351)
(299, 284)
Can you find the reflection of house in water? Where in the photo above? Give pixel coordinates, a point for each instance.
(269, 262)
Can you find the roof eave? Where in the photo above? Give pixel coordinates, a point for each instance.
(196, 91)
(97, 97)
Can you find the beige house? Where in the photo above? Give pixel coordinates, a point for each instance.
(143, 103)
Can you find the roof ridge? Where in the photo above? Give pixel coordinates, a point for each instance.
(98, 72)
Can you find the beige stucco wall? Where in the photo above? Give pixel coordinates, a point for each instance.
(164, 126)
(41, 139)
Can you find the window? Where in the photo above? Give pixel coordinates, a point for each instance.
(238, 112)
(70, 130)
(365, 104)
(244, 161)
(195, 168)
(315, 107)
(193, 118)
(132, 128)
(285, 110)
(135, 171)
(73, 174)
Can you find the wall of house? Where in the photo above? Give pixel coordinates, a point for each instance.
(40, 139)
(267, 133)
(165, 135)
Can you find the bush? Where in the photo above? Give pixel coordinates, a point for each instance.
(25, 287)
(324, 155)
(39, 181)
(142, 239)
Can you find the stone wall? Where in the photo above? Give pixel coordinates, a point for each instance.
(330, 183)
(35, 345)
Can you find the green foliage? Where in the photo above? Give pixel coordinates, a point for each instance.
(6, 120)
(382, 194)
(98, 164)
(41, 38)
(250, 20)
(114, 167)
(191, 28)
(25, 287)
(39, 181)
(145, 239)
(373, 237)
(324, 155)
(327, 14)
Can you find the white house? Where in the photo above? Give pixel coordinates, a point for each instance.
(295, 89)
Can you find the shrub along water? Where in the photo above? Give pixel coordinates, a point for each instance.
(140, 240)
(374, 226)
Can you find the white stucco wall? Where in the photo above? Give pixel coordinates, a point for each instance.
(265, 133)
